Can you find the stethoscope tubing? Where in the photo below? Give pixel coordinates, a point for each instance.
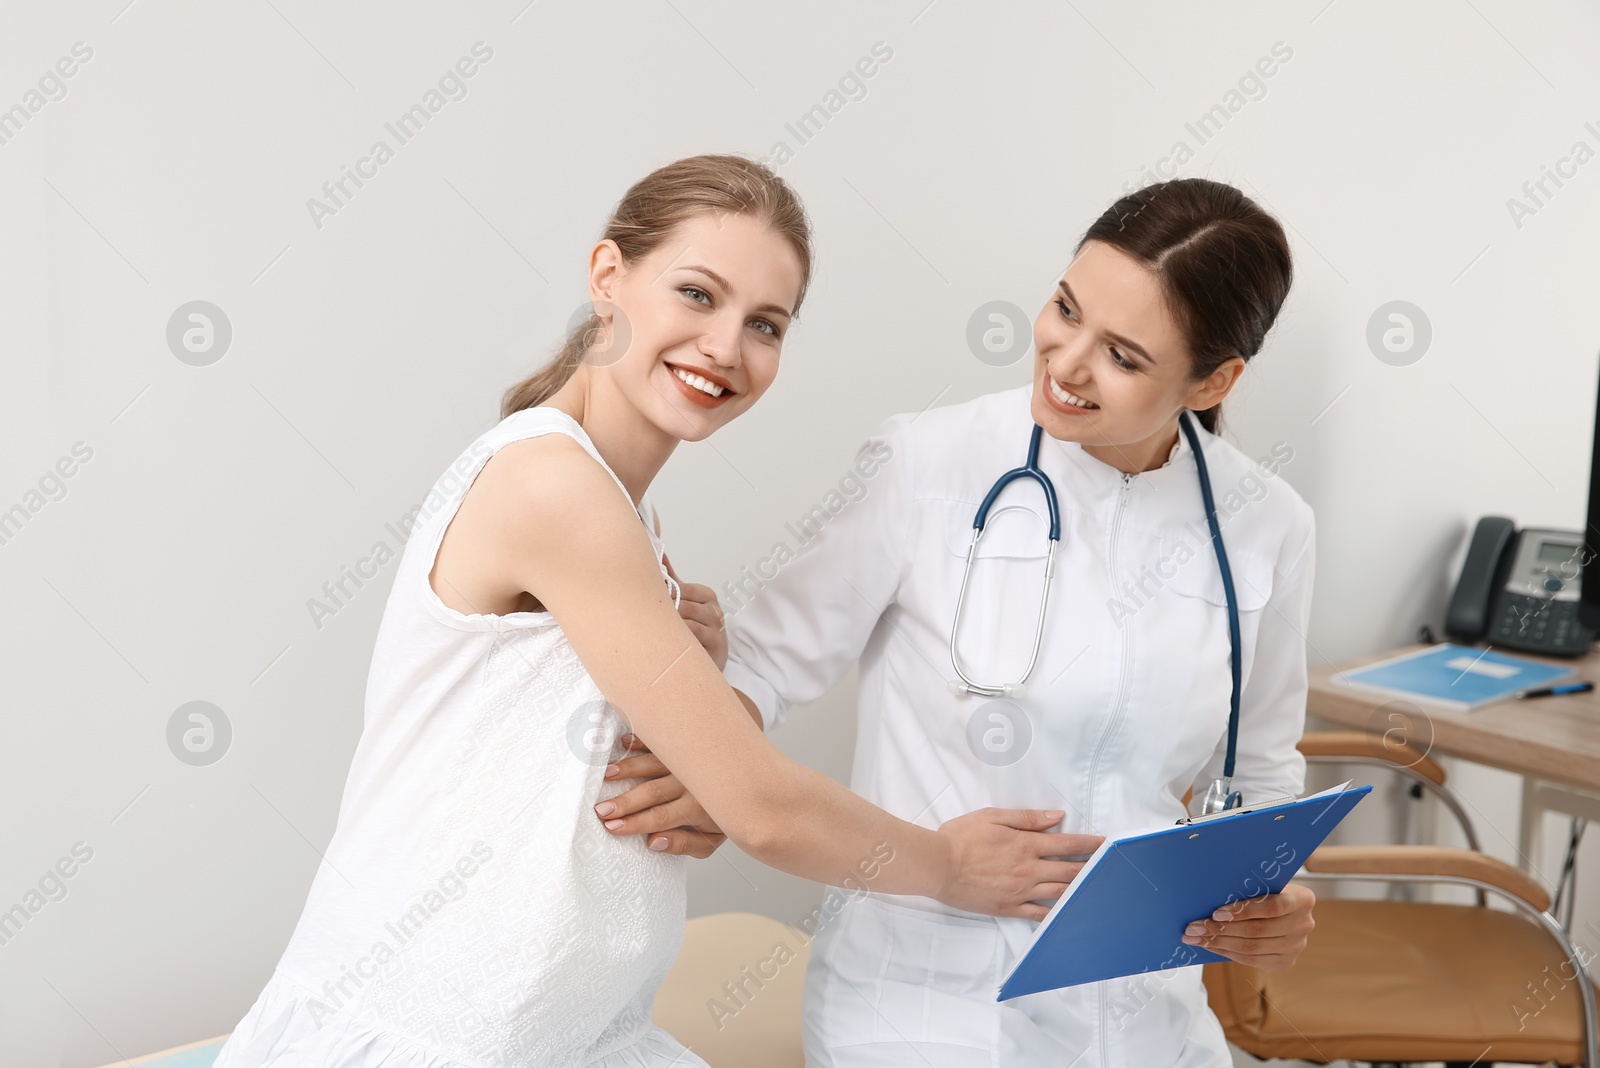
(1220, 795)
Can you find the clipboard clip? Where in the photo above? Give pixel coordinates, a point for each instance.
(1245, 810)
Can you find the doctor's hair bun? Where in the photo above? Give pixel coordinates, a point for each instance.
(645, 218)
(1223, 262)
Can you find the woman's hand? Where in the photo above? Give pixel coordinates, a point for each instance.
(698, 606)
(1267, 932)
(1002, 862)
(659, 806)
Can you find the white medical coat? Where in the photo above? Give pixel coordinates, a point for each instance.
(1125, 710)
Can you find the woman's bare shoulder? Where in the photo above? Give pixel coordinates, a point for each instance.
(540, 507)
(552, 485)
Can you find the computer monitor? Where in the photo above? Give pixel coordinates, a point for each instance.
(1589, 608)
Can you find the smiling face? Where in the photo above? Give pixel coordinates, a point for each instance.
(707, 312)
(1112, 369)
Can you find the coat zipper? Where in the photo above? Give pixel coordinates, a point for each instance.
(1105, 737)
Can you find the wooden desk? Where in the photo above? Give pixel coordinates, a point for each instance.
(1552, 742)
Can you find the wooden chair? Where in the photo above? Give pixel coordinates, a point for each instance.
(733, 995)
(1399, 981)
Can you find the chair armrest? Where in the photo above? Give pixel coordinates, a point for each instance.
(1424, 861)
(1367, 745)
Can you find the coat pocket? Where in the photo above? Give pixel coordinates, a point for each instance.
(1191, 570)
(1004, 587)
(902, 974)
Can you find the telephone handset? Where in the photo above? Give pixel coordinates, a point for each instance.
(1519, 590)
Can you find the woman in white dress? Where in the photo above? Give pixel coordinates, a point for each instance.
(470, 910)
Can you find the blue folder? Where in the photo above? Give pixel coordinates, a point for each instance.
(1457, 676)
(1126, 912)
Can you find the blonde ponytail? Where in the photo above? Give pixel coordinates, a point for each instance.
(543, 383)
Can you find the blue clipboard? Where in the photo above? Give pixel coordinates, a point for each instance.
(1126, 912)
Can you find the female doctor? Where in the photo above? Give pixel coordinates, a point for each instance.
(1126, 681)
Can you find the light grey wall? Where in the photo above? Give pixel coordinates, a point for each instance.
(370, 346)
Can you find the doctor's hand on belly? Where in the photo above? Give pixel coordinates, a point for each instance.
(986, 846)
(988, 852)
(659, 806)
(1267, 932)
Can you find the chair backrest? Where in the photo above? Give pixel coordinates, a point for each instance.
(733, 995)
(1391, 747)
(1393, 750)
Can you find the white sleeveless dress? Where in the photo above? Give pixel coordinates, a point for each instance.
(471, 911)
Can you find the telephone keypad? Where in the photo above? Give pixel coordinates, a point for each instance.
(1540, 625)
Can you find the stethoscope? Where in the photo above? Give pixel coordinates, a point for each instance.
(1220, 796)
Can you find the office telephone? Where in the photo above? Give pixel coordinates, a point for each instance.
(1519, 589)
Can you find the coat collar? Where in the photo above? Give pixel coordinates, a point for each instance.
(1179, 465)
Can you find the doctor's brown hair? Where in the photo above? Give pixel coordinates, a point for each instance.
(646, 217)
(1223, 263)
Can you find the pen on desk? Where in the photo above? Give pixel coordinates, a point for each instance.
(1551, 691)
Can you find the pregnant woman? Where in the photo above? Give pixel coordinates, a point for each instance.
(471, 910)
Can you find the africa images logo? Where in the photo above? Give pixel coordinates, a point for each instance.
(852, 487)
(452, 85)
(451, 487)
(1251, 86)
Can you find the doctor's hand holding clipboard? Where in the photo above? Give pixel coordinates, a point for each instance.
(1125, 912)
(1073, 595)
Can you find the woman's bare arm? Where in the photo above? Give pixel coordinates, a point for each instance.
(545, 518)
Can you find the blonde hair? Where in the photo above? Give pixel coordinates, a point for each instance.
(647, 215)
